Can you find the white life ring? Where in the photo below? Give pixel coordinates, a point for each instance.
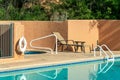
(23, 77)
(22, 44)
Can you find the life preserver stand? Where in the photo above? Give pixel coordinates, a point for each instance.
(22, 45)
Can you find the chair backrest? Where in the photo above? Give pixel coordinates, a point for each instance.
(60, 38)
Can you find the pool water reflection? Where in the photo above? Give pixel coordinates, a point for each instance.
(87, 71)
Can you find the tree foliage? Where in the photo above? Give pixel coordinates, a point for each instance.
(65, 9)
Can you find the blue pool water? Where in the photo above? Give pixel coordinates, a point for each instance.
(89, 70)
(34, 52)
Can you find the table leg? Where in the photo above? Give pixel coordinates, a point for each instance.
(83, 48)
(76, 48)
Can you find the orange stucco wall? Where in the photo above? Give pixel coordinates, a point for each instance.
(37, 29)
(104, 31)
(109, 33)
(18, 33)
(83, 30)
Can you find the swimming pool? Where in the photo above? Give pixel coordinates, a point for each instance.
(34, 52)
(89, 70)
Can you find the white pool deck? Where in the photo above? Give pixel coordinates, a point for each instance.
(45, 59)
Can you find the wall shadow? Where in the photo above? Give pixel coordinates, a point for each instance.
(109, 33)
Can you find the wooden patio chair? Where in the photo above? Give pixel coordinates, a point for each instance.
(69, 43)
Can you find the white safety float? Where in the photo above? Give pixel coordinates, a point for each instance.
(22, 44)
(23, 77)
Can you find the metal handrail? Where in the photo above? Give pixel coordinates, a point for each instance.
(104, 70)
(101, 50)
(109, 67)
(103, 45)
(106, 67)
(51, 35)
(50, 77)
(101, 69)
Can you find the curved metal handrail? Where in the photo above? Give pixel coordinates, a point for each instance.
(101, 69)
(103, 45)
(101, 49)
(106, 67)
(109, 67)
(50, 77)
(51, 35)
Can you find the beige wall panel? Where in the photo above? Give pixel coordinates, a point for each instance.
(18, 33)
(83, 30)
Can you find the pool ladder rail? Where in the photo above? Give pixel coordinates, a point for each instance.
(46, 48)
(104, 68)
(109, 56)
(110, 59)
(57, 71)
